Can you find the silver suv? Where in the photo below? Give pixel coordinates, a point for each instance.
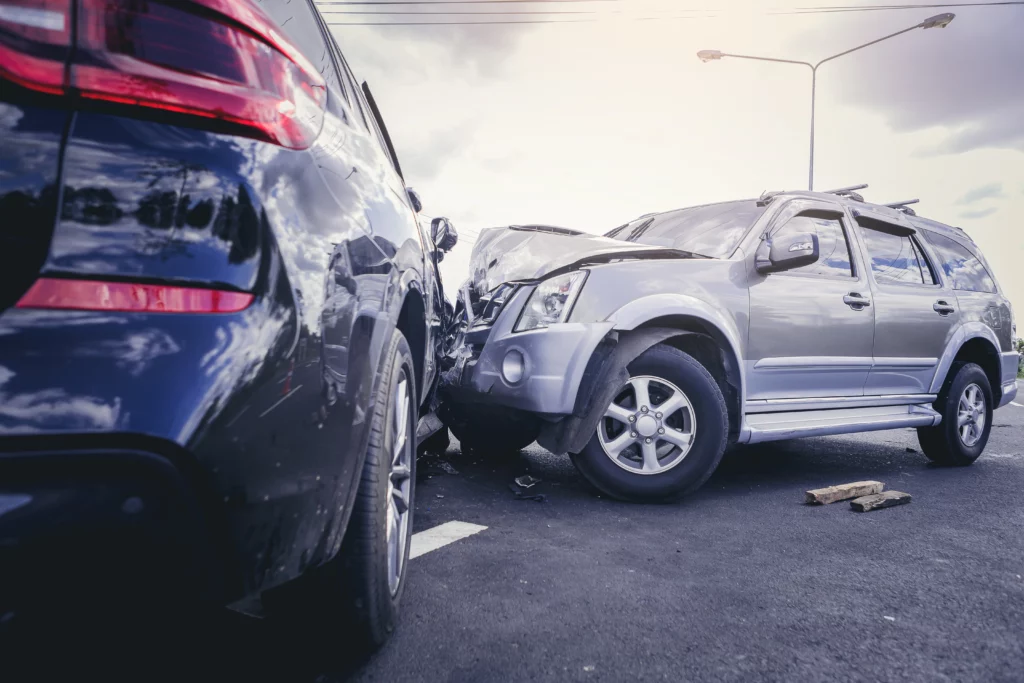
(645, 352)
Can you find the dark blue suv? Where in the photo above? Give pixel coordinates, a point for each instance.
(219, 315)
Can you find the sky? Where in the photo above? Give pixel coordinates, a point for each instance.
(608, 114)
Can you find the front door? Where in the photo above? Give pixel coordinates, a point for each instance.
(811, 327)
(915, 315)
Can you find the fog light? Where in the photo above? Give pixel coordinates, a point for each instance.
(513, 367)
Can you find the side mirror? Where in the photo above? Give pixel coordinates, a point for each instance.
(414, 199)
(443, 233)
(786, 252)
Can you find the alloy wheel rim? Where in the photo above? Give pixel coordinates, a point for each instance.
(649, 426)
(399, 486)
(971, 415)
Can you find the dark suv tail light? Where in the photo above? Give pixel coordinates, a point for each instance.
(220, 60)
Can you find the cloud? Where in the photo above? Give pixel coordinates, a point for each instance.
(990, 191)
(965, 78)
(979, 213)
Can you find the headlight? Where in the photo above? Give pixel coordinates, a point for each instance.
(551, 301)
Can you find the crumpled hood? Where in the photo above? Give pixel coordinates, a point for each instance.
(533, 252)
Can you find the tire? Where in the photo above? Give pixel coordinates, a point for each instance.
(356, 595)
(677, 471)
(949, 443)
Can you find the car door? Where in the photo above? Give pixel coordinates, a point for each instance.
(915, 312)
(811, 327)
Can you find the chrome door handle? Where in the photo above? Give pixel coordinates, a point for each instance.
(942, 308)
(856, 301)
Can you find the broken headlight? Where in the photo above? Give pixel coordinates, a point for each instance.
(551, 301)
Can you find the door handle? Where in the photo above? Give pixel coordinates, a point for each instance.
(856, 301)
(942, 308)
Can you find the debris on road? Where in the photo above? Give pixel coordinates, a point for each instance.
(431, 465)
(888, 618)
(539, 497)
(526, 481)
(832, 494)
(880, 500)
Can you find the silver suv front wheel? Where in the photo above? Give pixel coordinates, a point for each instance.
(663, 432)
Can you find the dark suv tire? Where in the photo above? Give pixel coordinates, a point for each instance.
(965, 403)
(356, 595)
(662, 446)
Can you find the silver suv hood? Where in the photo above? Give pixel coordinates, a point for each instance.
(532, 252)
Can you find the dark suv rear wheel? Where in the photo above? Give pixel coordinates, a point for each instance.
(664, 432)
(357, 594)
(965, 403)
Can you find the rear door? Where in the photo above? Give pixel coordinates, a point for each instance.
(915, 312)
(811, 327)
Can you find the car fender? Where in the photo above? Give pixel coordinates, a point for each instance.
(963, 334)
(648, 308)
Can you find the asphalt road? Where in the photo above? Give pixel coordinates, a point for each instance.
(741, 581)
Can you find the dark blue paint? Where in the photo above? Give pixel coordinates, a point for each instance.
(266, 408)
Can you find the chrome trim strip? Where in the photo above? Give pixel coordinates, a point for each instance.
(810, 362)
(905, 362)
(774, 405)
(834, 362)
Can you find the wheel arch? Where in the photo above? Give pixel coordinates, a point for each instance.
(412, 323)
(973, 343)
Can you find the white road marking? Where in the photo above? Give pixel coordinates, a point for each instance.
(1014, 403)
(280, 400)
(440, 536)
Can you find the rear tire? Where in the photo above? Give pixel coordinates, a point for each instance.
(965, 404)
(676, 449)
(356, 595)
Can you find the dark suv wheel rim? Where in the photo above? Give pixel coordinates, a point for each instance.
(971, 415)
(649, 426)
(399, 486)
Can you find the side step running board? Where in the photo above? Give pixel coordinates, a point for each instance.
(792, 425)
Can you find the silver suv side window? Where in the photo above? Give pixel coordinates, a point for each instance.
(833, 246)
(962, 268)
(896, 258)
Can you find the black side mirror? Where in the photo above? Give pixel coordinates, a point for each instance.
(443, 233)
(786, 252)
(414, 199)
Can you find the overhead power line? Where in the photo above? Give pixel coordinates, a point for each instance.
(508, 16)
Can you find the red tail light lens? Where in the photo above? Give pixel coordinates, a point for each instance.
(220, 60)
(35, 43)
(91, 295)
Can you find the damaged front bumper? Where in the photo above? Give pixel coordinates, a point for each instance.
(536, 371)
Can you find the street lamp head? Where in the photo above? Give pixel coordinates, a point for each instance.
(708, 55)
(938, 21)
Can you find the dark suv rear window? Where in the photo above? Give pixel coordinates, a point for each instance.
(713, 230)
(964, 269)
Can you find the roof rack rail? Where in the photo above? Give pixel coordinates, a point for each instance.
(903, 207)
(849, 192)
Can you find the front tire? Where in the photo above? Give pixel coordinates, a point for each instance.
(965, 403)
(663, 434)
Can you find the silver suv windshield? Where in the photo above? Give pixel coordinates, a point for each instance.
(712, 230)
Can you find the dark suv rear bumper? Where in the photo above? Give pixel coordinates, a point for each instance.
(90, 527)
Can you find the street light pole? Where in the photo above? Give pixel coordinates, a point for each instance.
(938, 21)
